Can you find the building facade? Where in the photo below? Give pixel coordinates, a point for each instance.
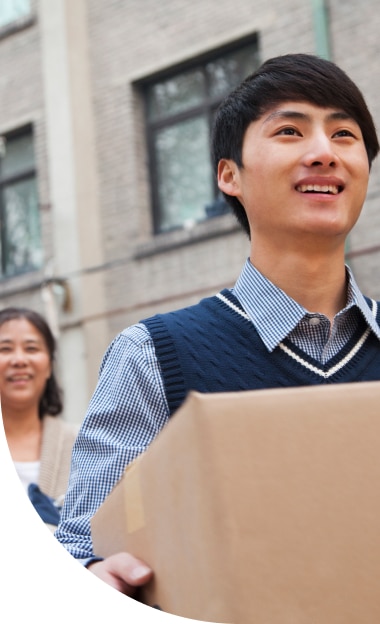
(109, 209)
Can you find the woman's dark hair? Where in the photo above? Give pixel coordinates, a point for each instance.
(51, 400)
(297, 77)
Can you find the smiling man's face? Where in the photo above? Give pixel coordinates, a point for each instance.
(305, 172)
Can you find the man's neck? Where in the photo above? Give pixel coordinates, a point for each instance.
(317, 282)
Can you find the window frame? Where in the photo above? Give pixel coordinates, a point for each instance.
(29, 173)
(206, 108)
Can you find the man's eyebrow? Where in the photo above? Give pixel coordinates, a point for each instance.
(291, 114)
(286, 114)
(340, 115)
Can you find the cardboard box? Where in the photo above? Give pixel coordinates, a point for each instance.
(258, 507)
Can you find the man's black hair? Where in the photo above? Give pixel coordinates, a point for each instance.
(297, 77)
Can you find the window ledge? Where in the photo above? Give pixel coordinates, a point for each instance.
(168, 241)
(21, 284)
(17, 25)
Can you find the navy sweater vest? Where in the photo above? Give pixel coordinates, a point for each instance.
(214, 347)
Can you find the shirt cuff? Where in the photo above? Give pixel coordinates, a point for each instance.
(86, 562)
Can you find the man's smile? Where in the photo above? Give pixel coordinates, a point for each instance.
(317, 188)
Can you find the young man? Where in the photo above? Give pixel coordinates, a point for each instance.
(292, 149)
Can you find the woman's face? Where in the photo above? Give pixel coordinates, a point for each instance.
(25, 365)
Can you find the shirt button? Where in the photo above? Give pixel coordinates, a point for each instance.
(314, 320)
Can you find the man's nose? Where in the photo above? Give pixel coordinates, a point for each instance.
(320, 151)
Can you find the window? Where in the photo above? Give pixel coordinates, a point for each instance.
(179, 112)
(20, 240)
(13, 10)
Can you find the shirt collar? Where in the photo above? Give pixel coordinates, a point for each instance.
(275, 314)
(355, 297)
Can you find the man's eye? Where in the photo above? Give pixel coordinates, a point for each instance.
(344, 133)
(288, 131)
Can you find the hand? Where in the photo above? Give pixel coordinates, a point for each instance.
(122, 571)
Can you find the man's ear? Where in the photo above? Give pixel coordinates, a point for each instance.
(228, 177)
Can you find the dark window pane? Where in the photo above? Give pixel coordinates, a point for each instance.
(19, 156)
(184, 172)
(180, 110)
(22, 241)
(176, 94)
(226, 73)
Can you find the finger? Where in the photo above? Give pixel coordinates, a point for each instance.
(122, 571)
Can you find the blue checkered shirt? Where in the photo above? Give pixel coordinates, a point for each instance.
(129, 407)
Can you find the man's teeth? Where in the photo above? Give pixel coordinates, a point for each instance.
(317, 188)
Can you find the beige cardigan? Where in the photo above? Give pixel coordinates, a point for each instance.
(58, 437)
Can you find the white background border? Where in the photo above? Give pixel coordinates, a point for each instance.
(41, 581)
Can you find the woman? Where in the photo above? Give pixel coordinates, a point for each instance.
(39, 441)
